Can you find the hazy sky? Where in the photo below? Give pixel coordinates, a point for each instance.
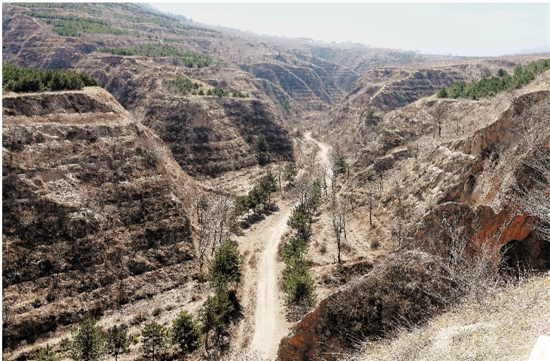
(478, 29)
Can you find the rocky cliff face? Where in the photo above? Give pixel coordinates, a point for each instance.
(94, 212)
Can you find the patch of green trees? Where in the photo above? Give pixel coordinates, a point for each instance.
(290, 172)
(218, 92)
(70, 6)
(224, 272)
(489, 86)
(183, 84)
(263, 148)
(190, 59)
(89, 342)
(259, 195)
(35, 80)
(340, 164)
(239, 94)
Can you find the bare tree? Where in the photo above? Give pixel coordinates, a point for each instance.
(203, 214)
(58, 253)
(220, 214)
(398, 226)
(370, 188)
(437, 113)
(339, 222)
(116, 262)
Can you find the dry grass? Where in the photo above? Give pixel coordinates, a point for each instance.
(504, 326)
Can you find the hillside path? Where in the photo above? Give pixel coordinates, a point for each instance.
(270, 325)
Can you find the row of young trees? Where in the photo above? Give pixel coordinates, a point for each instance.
(89, 342)
(489, 86)
(296, 281)
(72, 25)
(35, 80)
(190, 59)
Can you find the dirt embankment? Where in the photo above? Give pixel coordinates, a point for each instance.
(94, 218)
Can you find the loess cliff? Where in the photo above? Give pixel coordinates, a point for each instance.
(94, 213)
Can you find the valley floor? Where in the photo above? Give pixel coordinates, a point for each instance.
(262, 299)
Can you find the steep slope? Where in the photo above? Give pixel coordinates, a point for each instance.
(454, 197)
(487, 331)
(289, 73)
(206, 134)
(94, 214)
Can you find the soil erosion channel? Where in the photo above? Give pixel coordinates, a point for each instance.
(270, 325)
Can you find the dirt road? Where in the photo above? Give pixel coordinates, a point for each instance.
(269, 325)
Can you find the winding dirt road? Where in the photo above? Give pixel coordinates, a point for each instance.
(270, 325)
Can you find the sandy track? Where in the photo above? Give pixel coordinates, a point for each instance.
(269, 325)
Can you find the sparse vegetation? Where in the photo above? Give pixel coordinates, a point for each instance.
(489, 85)
(286, 105)
(36, 80)
(370, 113)
(95, 174)
(72, 25)
(46, 354)
(69, 6)
(504, 327)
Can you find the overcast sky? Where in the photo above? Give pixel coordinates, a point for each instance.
(469, 29)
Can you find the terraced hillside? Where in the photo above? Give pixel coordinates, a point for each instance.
(94, 214)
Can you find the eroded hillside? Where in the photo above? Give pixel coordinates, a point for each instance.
(100, 201)
(95, 217)
(454, 196)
